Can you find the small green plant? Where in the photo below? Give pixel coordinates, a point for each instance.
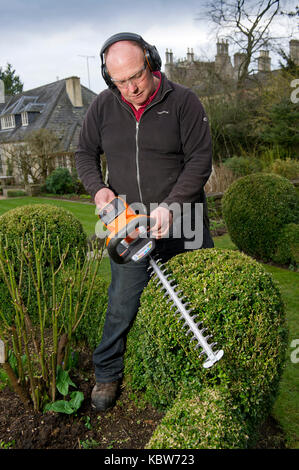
(89, 444)
(7, 445)
(63, 382)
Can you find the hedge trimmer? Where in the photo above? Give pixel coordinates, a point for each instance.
(128, 240)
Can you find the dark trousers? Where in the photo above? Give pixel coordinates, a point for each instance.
(127, 283)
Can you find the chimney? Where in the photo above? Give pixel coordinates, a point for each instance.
(169, 56)
(73, 89)
(294, 50)
(190, 55)
(264, 62)
(222, 47)
(2, 91)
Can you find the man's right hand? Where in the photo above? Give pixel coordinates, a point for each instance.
(102, 197)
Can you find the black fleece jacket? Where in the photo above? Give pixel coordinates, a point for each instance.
(165, 157)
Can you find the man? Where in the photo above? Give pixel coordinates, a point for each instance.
(156, 139)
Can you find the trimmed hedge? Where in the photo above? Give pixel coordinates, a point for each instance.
(256, 208)
(240, 304)
(210, 420)
(287, 247)
(63, 229)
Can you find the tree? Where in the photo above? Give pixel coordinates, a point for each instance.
(246, 25)
(12, 82)
(43, 144)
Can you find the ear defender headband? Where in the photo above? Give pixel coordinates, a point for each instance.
(151, 54)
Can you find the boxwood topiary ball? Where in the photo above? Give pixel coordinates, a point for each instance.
(209, 420)
(255, 208)
(62, 229)
(287, 246)
(240, 304)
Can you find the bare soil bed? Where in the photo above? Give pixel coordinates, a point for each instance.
(126, 426)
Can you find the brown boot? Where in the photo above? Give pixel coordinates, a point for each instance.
(104, 395)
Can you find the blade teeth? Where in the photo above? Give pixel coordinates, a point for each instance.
(208, 337)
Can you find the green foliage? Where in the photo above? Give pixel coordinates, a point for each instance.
(89, 330)
(65, 234)
(287, 245)
(241, 305)
(288, 168)
(209, 420)
(283, 119)
(41, 326)
(63, 382)
(12, 82)
(276, 117)
(60, 181)
(230, 117)
(16, 193)
(255, 209)
(242, 166)
(64, 230)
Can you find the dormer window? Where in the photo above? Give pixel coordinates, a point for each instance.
(24, 116)
(8, 121)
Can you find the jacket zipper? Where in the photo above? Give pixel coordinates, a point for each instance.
(137, 162)
(136, 140)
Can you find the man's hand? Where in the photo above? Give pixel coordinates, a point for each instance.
(163, 219)
(103, 196)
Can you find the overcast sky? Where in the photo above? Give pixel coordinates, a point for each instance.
(45, 39)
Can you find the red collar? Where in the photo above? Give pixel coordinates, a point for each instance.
(138, 112)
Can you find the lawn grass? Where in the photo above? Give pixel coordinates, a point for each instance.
(286, 407)
(83, 211)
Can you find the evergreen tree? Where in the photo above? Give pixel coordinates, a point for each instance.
(12, 82)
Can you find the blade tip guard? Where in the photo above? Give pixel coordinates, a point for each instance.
(210, 362)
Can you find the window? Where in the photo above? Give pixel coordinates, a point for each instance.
(8, 122)
(24, 116)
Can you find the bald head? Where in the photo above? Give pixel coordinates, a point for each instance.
(123, 54)
(126, 64)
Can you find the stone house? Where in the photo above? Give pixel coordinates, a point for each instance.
(209, 77)
(58, 107)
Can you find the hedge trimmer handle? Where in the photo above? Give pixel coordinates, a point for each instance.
(128, 237)
(131, 241)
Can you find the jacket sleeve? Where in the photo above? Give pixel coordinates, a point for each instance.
(87, 156)
(197, 149)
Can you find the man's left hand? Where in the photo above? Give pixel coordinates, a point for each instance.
(163, 218)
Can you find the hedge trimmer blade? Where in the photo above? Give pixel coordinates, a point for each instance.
(179, 303)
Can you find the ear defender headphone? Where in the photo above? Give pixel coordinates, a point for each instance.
(151, 54)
